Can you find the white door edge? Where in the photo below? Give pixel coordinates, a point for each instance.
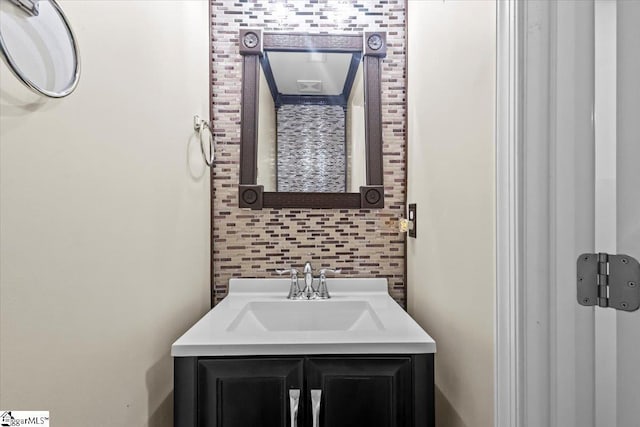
(604, 117)
(507, 327)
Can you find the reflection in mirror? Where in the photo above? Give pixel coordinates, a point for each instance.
(39, 47)
(311, 122)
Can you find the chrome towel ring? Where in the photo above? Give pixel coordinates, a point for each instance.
(39, 47)
(199, 125)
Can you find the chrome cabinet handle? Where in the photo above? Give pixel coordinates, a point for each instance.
(294, 399)
(316, 397)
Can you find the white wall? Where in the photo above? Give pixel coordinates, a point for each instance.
(267, 133)
(450, 265)
(356, 152)
(104, 218)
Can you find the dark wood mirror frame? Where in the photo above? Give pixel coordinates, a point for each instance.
(373, 47)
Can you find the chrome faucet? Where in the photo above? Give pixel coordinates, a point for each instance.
(323, 292)
(294, 290)
(309, 291)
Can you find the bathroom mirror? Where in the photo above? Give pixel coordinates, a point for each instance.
(311, 120)
(38, 46)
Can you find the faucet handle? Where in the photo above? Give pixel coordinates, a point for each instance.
(294, 290)
(323, 292)
(282, 271)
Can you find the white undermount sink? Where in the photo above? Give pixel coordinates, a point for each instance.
(317, 315)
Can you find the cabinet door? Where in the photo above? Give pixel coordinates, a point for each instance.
(247, 392)
(361, 391)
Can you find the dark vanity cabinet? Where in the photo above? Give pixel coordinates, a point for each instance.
(356, 390)
(362, 391)
(246, 392)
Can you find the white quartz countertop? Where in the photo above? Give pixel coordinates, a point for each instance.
(256, 318)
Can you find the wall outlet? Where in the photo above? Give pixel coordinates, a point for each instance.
(413, 220)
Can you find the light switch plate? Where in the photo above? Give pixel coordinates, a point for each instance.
(413, 220)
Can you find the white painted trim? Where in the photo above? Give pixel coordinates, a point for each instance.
(508, 328)
(605, 113)
(544, 339)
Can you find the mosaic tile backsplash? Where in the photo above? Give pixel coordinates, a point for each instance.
(311, 148)
(250, 243)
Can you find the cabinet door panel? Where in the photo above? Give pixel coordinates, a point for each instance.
(372, 392)
(246, 392)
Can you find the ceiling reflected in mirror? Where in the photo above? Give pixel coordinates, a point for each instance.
(321, 78)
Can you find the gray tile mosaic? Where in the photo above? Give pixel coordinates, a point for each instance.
(311, 148)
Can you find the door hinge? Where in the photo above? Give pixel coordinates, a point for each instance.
(609, 281)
